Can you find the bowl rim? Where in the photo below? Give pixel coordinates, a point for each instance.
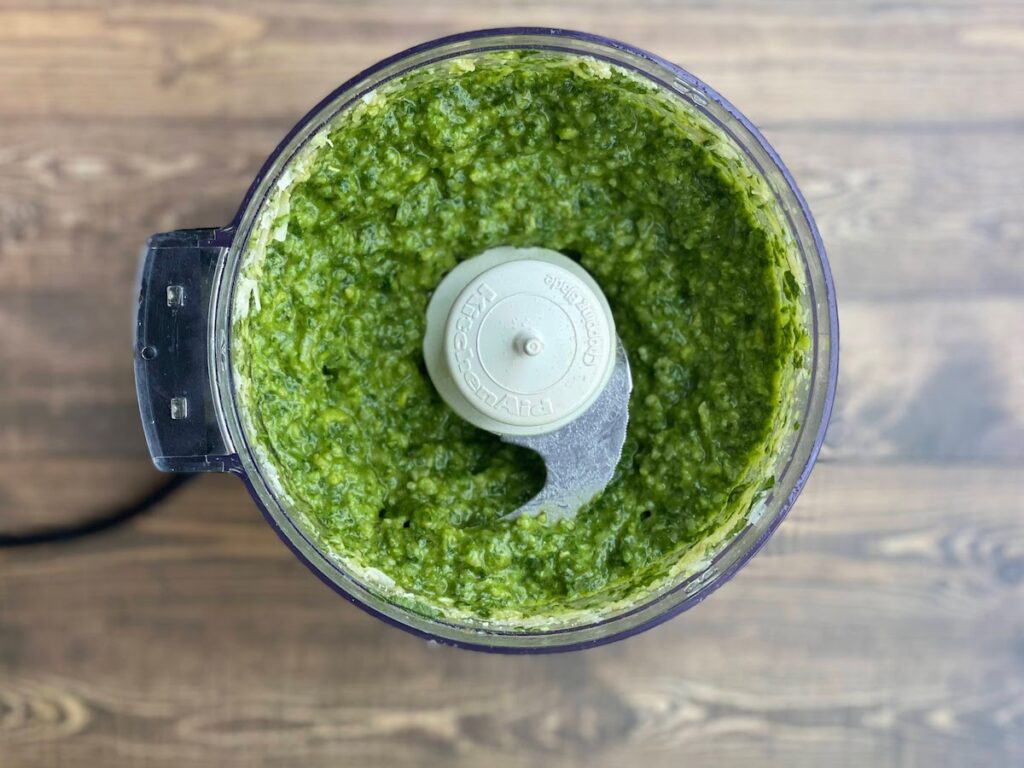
(230, 233)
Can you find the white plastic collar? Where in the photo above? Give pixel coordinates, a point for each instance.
(519, 341)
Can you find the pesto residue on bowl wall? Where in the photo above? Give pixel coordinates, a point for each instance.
(527, 149)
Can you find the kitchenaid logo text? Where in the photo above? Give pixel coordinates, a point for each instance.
(469, 314)
(591, 324)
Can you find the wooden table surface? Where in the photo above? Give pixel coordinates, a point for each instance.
(883, 625)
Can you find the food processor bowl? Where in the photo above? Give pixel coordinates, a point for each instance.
(189, 401)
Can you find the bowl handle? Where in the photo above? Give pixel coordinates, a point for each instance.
(172, 351)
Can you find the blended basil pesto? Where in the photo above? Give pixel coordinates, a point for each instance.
(526, 149)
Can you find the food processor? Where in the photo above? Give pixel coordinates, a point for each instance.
(519, 341)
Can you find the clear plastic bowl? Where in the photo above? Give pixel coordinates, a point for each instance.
(188, 398)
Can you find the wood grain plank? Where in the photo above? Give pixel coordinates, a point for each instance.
(889, 203)
(153, 644)
(876, 62)
(930, 381)
(73, 196)
(36, 492)
(914, 213)
(921, 380)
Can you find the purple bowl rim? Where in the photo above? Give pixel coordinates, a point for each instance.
(227, 233)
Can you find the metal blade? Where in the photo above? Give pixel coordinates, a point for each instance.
(582, 455)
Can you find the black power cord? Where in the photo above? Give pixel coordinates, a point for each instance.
(97, 524)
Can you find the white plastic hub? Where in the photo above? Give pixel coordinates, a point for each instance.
(519, 341)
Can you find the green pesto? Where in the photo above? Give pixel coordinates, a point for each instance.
(524, 149)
